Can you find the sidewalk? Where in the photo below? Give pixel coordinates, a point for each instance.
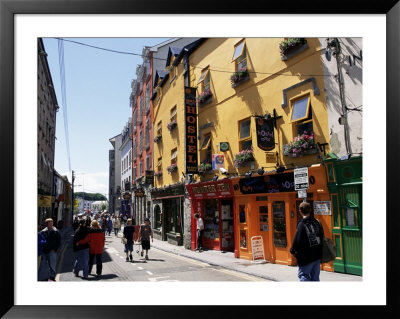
(267, 271)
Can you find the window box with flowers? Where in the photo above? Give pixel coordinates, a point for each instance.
(204, 97)
(292, 46)
(204, 167)
(172, 168)
(171, 125)
(158, 138)
(239, 77)
(303, 144)
(158, 174)
(243, 157)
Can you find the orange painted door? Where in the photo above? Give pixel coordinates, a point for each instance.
(280, 222)
(263, 210)
(243, 234)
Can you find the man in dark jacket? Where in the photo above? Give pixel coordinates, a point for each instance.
(307, 245)
(47, 269)
(82, 251)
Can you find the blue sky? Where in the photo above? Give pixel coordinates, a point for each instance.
(98, 85)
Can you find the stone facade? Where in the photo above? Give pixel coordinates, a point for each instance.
(47, 107)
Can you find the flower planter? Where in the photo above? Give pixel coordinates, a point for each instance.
(240, 81)
(293, 49)
(245, 164)
(172, 169)
(205, 101)
(204, 97)
(172, 126)
(243, 158)
(239, 77)
(204, 168)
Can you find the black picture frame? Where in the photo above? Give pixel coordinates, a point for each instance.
(8, 10)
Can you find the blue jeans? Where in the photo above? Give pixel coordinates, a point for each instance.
(47, 267)
(116, 230)
(309, 272)
(82, 262)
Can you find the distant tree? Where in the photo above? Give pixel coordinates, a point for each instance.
(90, 196)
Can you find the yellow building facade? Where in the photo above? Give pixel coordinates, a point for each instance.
(243, 81)
(244, 188)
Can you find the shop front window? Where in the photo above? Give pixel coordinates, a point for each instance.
(211, 219)
(243, 239)
(157, 217)
(263, 212)
(279, 221)
(174, 220)
(242, 214)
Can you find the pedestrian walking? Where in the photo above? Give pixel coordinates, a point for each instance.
(41, 243)
(88, 221)
(116, 225)
(47, 269)
(104, 224)
(96, 240)
(82, 251)
(145, 234)
(129, 233)
(109, 225)
(75, 224)
(200, 230)
(307, 245)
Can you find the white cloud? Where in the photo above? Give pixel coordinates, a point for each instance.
(91, 182)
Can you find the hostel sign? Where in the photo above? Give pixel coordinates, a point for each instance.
(191, 130)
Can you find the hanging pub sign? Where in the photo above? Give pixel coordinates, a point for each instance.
(265, 133)
(191, 130)
(150, 178)
(139, 192)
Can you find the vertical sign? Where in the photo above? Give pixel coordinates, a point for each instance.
(265, 133)
(300, 178)
(191, 130)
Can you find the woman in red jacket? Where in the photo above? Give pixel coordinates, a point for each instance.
(96, 240)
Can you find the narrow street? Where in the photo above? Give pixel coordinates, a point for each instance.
(161, 266)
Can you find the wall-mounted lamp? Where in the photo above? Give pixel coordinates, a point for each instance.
(280, 169)
(260, 171)
(215, 178)
(223, 171)
(267, 116)
(248, 175)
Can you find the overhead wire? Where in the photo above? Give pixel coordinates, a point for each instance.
(194, 66)
(64, 95)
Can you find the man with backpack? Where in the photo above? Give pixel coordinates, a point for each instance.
(307, 245)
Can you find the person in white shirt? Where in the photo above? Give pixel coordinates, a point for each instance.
(200, 230)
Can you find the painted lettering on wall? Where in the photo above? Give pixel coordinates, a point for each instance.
(267, 184)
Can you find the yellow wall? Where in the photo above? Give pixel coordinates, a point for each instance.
(258, 96)
(172, 94)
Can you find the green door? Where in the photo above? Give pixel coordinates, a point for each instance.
(345, 186)
(351, 218)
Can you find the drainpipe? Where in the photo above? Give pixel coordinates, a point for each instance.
(343, 119)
